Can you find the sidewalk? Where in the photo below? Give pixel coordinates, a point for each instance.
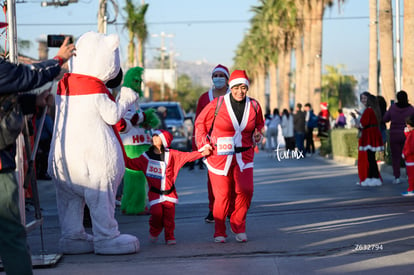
(307, 217)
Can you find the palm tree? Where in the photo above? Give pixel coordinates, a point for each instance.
(300, 95)
(137, 29)
(386, 49)
(408, 50)
(373, 47)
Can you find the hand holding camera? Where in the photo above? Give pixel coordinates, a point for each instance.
(65, 42)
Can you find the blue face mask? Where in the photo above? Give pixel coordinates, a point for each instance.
(219, 82)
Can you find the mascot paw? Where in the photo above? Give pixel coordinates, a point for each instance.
(151, 119)
(133, 79)
(123, 244)
(76, 246)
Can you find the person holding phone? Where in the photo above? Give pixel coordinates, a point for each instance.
(14, 79)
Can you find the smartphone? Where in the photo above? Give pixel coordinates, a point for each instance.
(56, 40)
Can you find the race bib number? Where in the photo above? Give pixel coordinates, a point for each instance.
(225, 146)
(155, 169)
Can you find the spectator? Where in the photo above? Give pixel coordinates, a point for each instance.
(299, 125)
(272, 130)
(370, 142)
(323, 121)
(44, 146)
(15, 79)
(311, 123)
(397, 114)
(287, 130)
(382, 104)
(162, 113)
(340, 120)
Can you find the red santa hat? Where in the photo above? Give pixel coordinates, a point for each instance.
(238, 77)
(165, 136)
(324, 106)
(221, 68)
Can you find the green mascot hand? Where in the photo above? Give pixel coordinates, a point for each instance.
(152, 120)
(133, 79)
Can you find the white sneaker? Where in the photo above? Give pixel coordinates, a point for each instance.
(366, 182)
(219, 239)
(171, 242)
(241, 237)
(396, 181)
(376, 182)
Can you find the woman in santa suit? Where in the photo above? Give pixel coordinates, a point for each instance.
(232, 124)
(370, 142)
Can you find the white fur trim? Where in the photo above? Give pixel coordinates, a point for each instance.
(221, 70)
(162, 199)
(237, 81)
(162, 137)
(204, 147)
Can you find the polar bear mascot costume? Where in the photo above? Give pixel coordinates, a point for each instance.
(86, 159)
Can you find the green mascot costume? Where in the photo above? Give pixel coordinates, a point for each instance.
(134, 129)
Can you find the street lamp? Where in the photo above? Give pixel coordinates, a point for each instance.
(57, 3)
(162, 35)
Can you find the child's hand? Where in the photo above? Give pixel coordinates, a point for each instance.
(207, 151)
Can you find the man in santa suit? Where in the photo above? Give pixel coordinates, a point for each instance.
(220, 77)
(232, 124)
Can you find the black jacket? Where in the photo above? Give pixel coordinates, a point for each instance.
(18, 78)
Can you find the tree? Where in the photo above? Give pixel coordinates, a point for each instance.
(137, 30)
(338, 89)
(386, 47)
(408, 50)
(373, 47)
(188, 94)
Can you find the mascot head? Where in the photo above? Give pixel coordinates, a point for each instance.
(97, 55)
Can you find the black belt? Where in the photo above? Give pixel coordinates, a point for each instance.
(241, 149)
(165, 192)
(371, 125)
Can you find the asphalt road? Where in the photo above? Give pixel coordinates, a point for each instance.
(307, 217)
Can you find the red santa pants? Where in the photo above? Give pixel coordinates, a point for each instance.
(223, 186)
(162, 216)
(410, 175)
(211, 197)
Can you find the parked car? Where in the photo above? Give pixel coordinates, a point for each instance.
(180, 126)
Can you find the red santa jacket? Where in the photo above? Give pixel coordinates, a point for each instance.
(161, 175)
(202, 102)
(408, 150)
(371, 138)
(228, 138)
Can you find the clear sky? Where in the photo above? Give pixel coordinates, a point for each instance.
(202, 30)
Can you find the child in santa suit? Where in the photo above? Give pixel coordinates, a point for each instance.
(161, 166)
(408, 154)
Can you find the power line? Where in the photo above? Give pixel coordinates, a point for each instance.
(193, 22)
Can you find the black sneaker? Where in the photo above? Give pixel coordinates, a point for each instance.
(209, 218)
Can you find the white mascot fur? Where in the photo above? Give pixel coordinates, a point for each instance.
(86, 158)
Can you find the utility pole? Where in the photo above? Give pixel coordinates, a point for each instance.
(398, 46)
(163, 35)
(102, 18)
